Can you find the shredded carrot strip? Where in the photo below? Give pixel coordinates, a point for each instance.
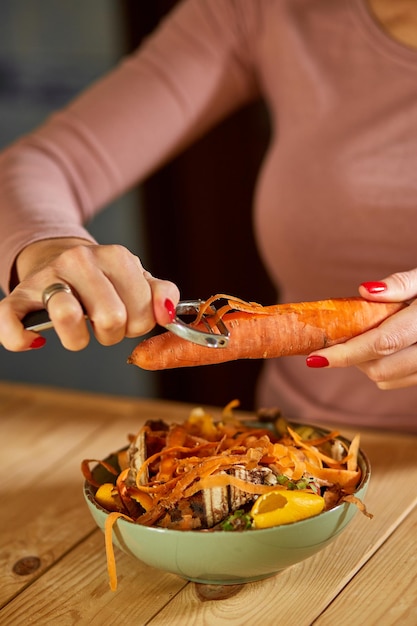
(144, 499)
(299, 465)
(352, 461)
(175, 439)
(232, 303)
(220, 313)
(154, 457)
(247, 307)
(353, 500)
(108, 538)
(85, 468)
(345, 478)
(157, 490)
(305, 444)
(228, 409)
(226, 480)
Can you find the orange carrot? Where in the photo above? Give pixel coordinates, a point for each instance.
(258, 332)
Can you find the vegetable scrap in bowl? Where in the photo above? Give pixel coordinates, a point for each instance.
(226, 501)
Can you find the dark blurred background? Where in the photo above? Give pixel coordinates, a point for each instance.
(190, 222)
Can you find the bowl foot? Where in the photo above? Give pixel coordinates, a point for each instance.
(216, 592)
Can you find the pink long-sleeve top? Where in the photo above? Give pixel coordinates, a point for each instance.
(336, 199)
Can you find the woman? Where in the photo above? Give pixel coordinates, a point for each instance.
(335, 202)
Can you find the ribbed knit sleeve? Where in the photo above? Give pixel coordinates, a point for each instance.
(190, 74)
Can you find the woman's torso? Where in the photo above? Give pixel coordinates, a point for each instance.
(337, 196)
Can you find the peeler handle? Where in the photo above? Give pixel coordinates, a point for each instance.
(39, 321)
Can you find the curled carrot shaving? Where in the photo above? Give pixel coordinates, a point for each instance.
(144, 499)
(228, 409)
(225, 480)
(154, 457)
(353, 500)
(320, 455)
(85, 468)
(299, 466)
(232, 303)
(346, 479)
(111, 519)
(352, 461)
(175, 439)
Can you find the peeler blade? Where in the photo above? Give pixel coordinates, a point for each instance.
(210, 339)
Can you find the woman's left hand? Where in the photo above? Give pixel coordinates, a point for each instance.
(386, 354)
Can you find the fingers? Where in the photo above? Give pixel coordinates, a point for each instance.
(394, 335)
(118, 296)
(387, 354)
(13, 336)
(393, 372)
(127, 300)
(399, 287)
(113, 291)
(64, 310)
(398, 383)
(68, 318)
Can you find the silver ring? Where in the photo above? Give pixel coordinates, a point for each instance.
(53, 289)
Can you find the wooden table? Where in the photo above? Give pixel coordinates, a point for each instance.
(52, 558)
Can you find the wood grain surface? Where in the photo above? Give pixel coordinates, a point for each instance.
(52, 558)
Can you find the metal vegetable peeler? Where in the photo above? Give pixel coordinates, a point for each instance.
(39, 321)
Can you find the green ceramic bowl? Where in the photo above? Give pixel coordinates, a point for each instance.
(230, 557)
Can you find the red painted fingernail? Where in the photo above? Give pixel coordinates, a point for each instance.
(315, 360)
(169, 305)
(375, 287)
(39, 342)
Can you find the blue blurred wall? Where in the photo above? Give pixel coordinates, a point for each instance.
(49, 51)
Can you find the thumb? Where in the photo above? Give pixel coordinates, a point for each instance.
(165, 297)
(397, 287)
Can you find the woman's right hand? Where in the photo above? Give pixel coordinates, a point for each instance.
(120, 298)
